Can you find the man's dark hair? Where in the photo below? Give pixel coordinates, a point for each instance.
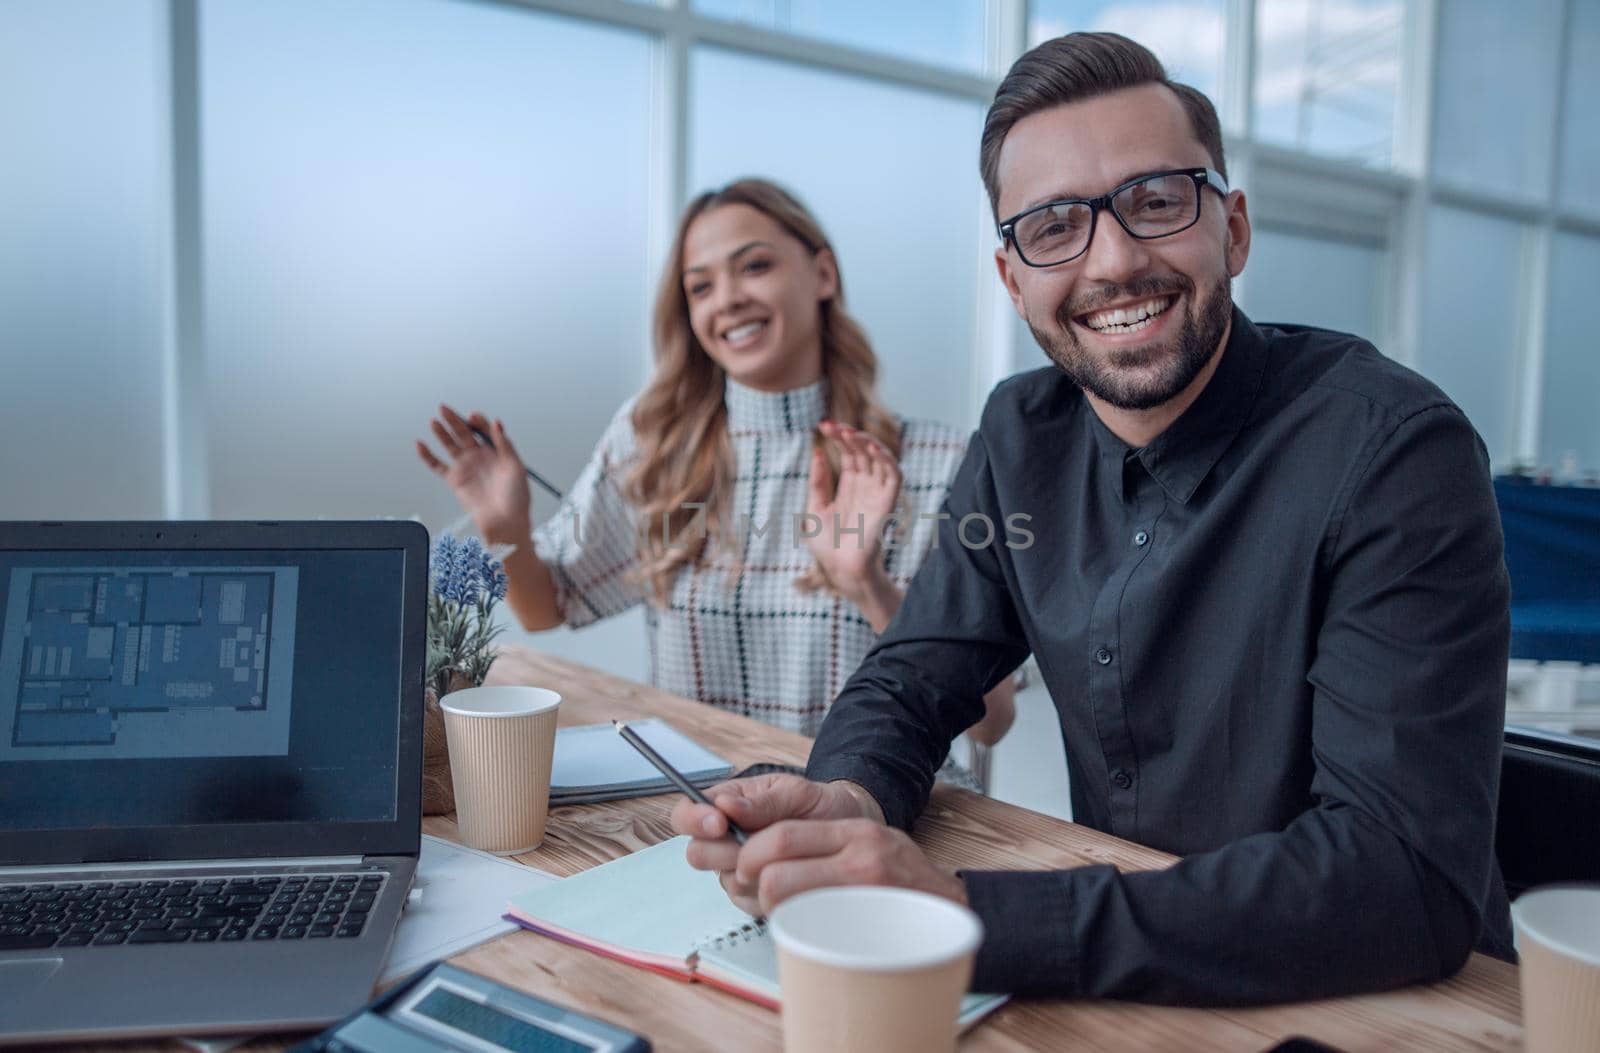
(1080, 66)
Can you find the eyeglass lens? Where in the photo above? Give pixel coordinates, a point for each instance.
(1150, 208)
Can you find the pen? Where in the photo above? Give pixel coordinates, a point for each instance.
(633, 739)
(483, 437)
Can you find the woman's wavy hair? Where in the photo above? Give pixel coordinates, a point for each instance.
(685, 456)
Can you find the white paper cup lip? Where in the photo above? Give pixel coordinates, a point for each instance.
(500, 701)
(875, 928)
(1564, 918)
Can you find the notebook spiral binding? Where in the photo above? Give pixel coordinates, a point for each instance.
(753, 929)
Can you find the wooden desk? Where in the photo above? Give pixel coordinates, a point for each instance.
(1478, 1009)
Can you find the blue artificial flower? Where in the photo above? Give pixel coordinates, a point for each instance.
(463, 572)
(445, 568)
(467, 582)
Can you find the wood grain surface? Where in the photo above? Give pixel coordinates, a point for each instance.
(1478, 1009)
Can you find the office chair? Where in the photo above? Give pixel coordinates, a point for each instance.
(1549, 813)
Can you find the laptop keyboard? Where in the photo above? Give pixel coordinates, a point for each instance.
(186, 910)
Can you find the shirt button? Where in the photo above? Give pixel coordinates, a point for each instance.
(1122, 779)
(1103, 656)
(1141, 538)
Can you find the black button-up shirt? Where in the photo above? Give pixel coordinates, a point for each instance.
(1276, 638)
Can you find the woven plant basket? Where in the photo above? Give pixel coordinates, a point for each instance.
(438, 790)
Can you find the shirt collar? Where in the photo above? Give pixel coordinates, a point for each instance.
(1182, 456)
(799, 409)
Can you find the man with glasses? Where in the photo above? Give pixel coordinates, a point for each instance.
(1266, 593)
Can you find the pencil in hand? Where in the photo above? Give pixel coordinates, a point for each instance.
(673, 775)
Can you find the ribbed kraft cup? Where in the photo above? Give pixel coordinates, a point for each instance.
(1558, 939)
(501, 743)
(872, 970)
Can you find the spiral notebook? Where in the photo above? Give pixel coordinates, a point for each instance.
(653, 910)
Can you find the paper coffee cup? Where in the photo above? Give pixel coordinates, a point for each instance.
(501, 741)
(872, 969)
(1558, 939)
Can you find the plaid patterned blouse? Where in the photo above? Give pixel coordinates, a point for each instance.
(748, 641)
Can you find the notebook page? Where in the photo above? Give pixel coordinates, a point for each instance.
(747, 957)
(595, 757)
(649, 903)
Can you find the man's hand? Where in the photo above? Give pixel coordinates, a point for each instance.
(759, 802)
(798, 855)
(803, 835)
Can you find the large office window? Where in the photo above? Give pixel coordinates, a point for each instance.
(1580, 129)
(907, 235)
(83, 249)
(1496, 94)
(1186, 35)
(1571, 401)
(1293, 277)
(1471, 318)
(397, 214)
(938, 32)
(1328, 75)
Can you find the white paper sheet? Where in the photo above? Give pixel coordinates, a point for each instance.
(463, 895)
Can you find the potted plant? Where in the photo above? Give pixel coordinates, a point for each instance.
(465, 582)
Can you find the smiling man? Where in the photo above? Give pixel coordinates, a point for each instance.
(1267, 595)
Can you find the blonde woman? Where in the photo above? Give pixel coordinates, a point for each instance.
(744, 495)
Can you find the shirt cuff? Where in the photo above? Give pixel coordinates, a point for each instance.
(1028, 947)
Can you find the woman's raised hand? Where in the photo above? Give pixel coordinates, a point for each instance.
(488, 480)
(868, 484)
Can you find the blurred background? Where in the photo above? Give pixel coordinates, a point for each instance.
(246, 247)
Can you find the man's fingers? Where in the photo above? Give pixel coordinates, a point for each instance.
(794, 839)
(720, 855)
(788, 878)
(743, 896)
(760, 810)
(698, 820)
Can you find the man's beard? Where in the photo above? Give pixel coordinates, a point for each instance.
(1107, 375)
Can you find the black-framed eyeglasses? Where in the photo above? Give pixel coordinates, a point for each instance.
(1148, 206)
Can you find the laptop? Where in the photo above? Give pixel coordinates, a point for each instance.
(210, 769)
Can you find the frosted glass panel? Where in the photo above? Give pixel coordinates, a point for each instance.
(82, 178)
(1469, 318)
(938, 32)
(1571, 416)
(895, 186)
(1580, 133)
(1496, 94)
(1186, 35)
(1328, 75)
(409, 201)
(1315, 281)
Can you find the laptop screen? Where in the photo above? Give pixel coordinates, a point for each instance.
(199, 688)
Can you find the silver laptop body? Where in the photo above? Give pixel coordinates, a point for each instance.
(210, 761)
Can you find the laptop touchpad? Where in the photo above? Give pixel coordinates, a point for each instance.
(18, 979)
